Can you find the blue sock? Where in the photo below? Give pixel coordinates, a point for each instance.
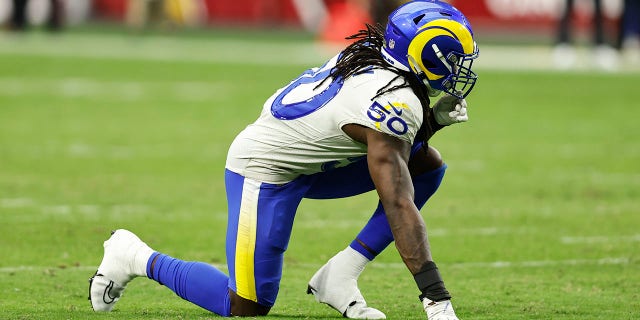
(376, 234)
(197, 282)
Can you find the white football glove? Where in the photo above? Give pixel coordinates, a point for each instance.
(449, 110)
(441, 310)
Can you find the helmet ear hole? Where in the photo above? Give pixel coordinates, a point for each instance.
(429, 64)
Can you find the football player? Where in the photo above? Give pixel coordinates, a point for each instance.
(358, 123)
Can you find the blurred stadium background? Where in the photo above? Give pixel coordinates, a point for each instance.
(499, 24)
(118, 114)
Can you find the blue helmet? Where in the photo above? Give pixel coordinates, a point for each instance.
(435, 41)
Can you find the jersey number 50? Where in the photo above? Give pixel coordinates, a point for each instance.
(390, 115)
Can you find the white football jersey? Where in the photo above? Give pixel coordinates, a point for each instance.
(299, 131)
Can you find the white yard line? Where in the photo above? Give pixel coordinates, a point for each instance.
(167, 49)
(124, 90)
(433, 232)
(541, 263)
(123, 209)
(256, 53)
(41, 268)
(601, 239)
(386, 265)
(16, 202)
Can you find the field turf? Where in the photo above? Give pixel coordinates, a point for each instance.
(538, 216)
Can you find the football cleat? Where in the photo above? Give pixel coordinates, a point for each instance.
(332, 285)
(125, 257)
(103, 293)
(441, 310)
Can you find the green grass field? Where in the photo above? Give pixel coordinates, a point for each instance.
(537, 218)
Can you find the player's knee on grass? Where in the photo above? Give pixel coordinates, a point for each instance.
(425, 160)
(241, 307)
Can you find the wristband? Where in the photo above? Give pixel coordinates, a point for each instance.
(430, 283)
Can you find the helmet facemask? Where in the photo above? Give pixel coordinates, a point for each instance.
(459, 80)
(433, 40)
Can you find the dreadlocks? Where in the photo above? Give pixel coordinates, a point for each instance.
(364, 54)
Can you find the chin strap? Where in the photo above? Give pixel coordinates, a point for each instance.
(431, 91)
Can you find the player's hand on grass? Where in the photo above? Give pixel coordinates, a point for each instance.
(440, 310)
(449, 110)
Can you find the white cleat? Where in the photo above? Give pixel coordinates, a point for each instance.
(125, 257)
(606, 58)
(564, 56)
(334, 286)
(441, 310)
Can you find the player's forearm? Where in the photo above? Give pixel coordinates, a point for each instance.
(409, 233)
(388, 165)
(411, 240)
(419, 260)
